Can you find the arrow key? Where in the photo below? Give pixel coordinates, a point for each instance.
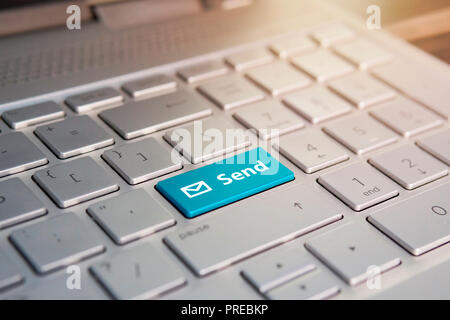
(353, 252)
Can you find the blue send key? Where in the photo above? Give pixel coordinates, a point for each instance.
(223, 182)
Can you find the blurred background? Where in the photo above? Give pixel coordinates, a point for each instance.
(425, 23)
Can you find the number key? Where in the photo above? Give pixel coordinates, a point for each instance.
(360, 134)
(269, 118)
(406, 117)
(361, 89)
(359, 186)
(311, 151)
(409, 166)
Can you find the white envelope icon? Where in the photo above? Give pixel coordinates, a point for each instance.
(196, 189)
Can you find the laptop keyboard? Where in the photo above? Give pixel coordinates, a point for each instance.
(366, 136)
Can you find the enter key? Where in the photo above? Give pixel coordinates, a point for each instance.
(223, 182)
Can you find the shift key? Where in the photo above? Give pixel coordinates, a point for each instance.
(252, 226)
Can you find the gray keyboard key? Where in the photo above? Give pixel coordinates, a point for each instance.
(278, 78)
(360, 134)
(74, 136)
(426, 284)
(406, 117)
(138, 273)
(437, 145)
(207, 139)
(351, 251)
(203, 71)
(275, 268)
(130, 216)
(250, 58)
(418, 224)
(332, 33)
(317, 104)
(361, 89)
(231, 91)
(18, 203)
(31, 115)
(359, 186)
(98, 98)
(223, 239)
(55, 288)
(269, 118)
(419, 81)
(322, 65)
(8, 272)
(156, 114)
(409, 166)
(290, 46)
(74, 182)
(149, 86)
(141, 161)
(18, 154)
(314, 286)
(56, 242)
(311, 151)
(363, 53)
